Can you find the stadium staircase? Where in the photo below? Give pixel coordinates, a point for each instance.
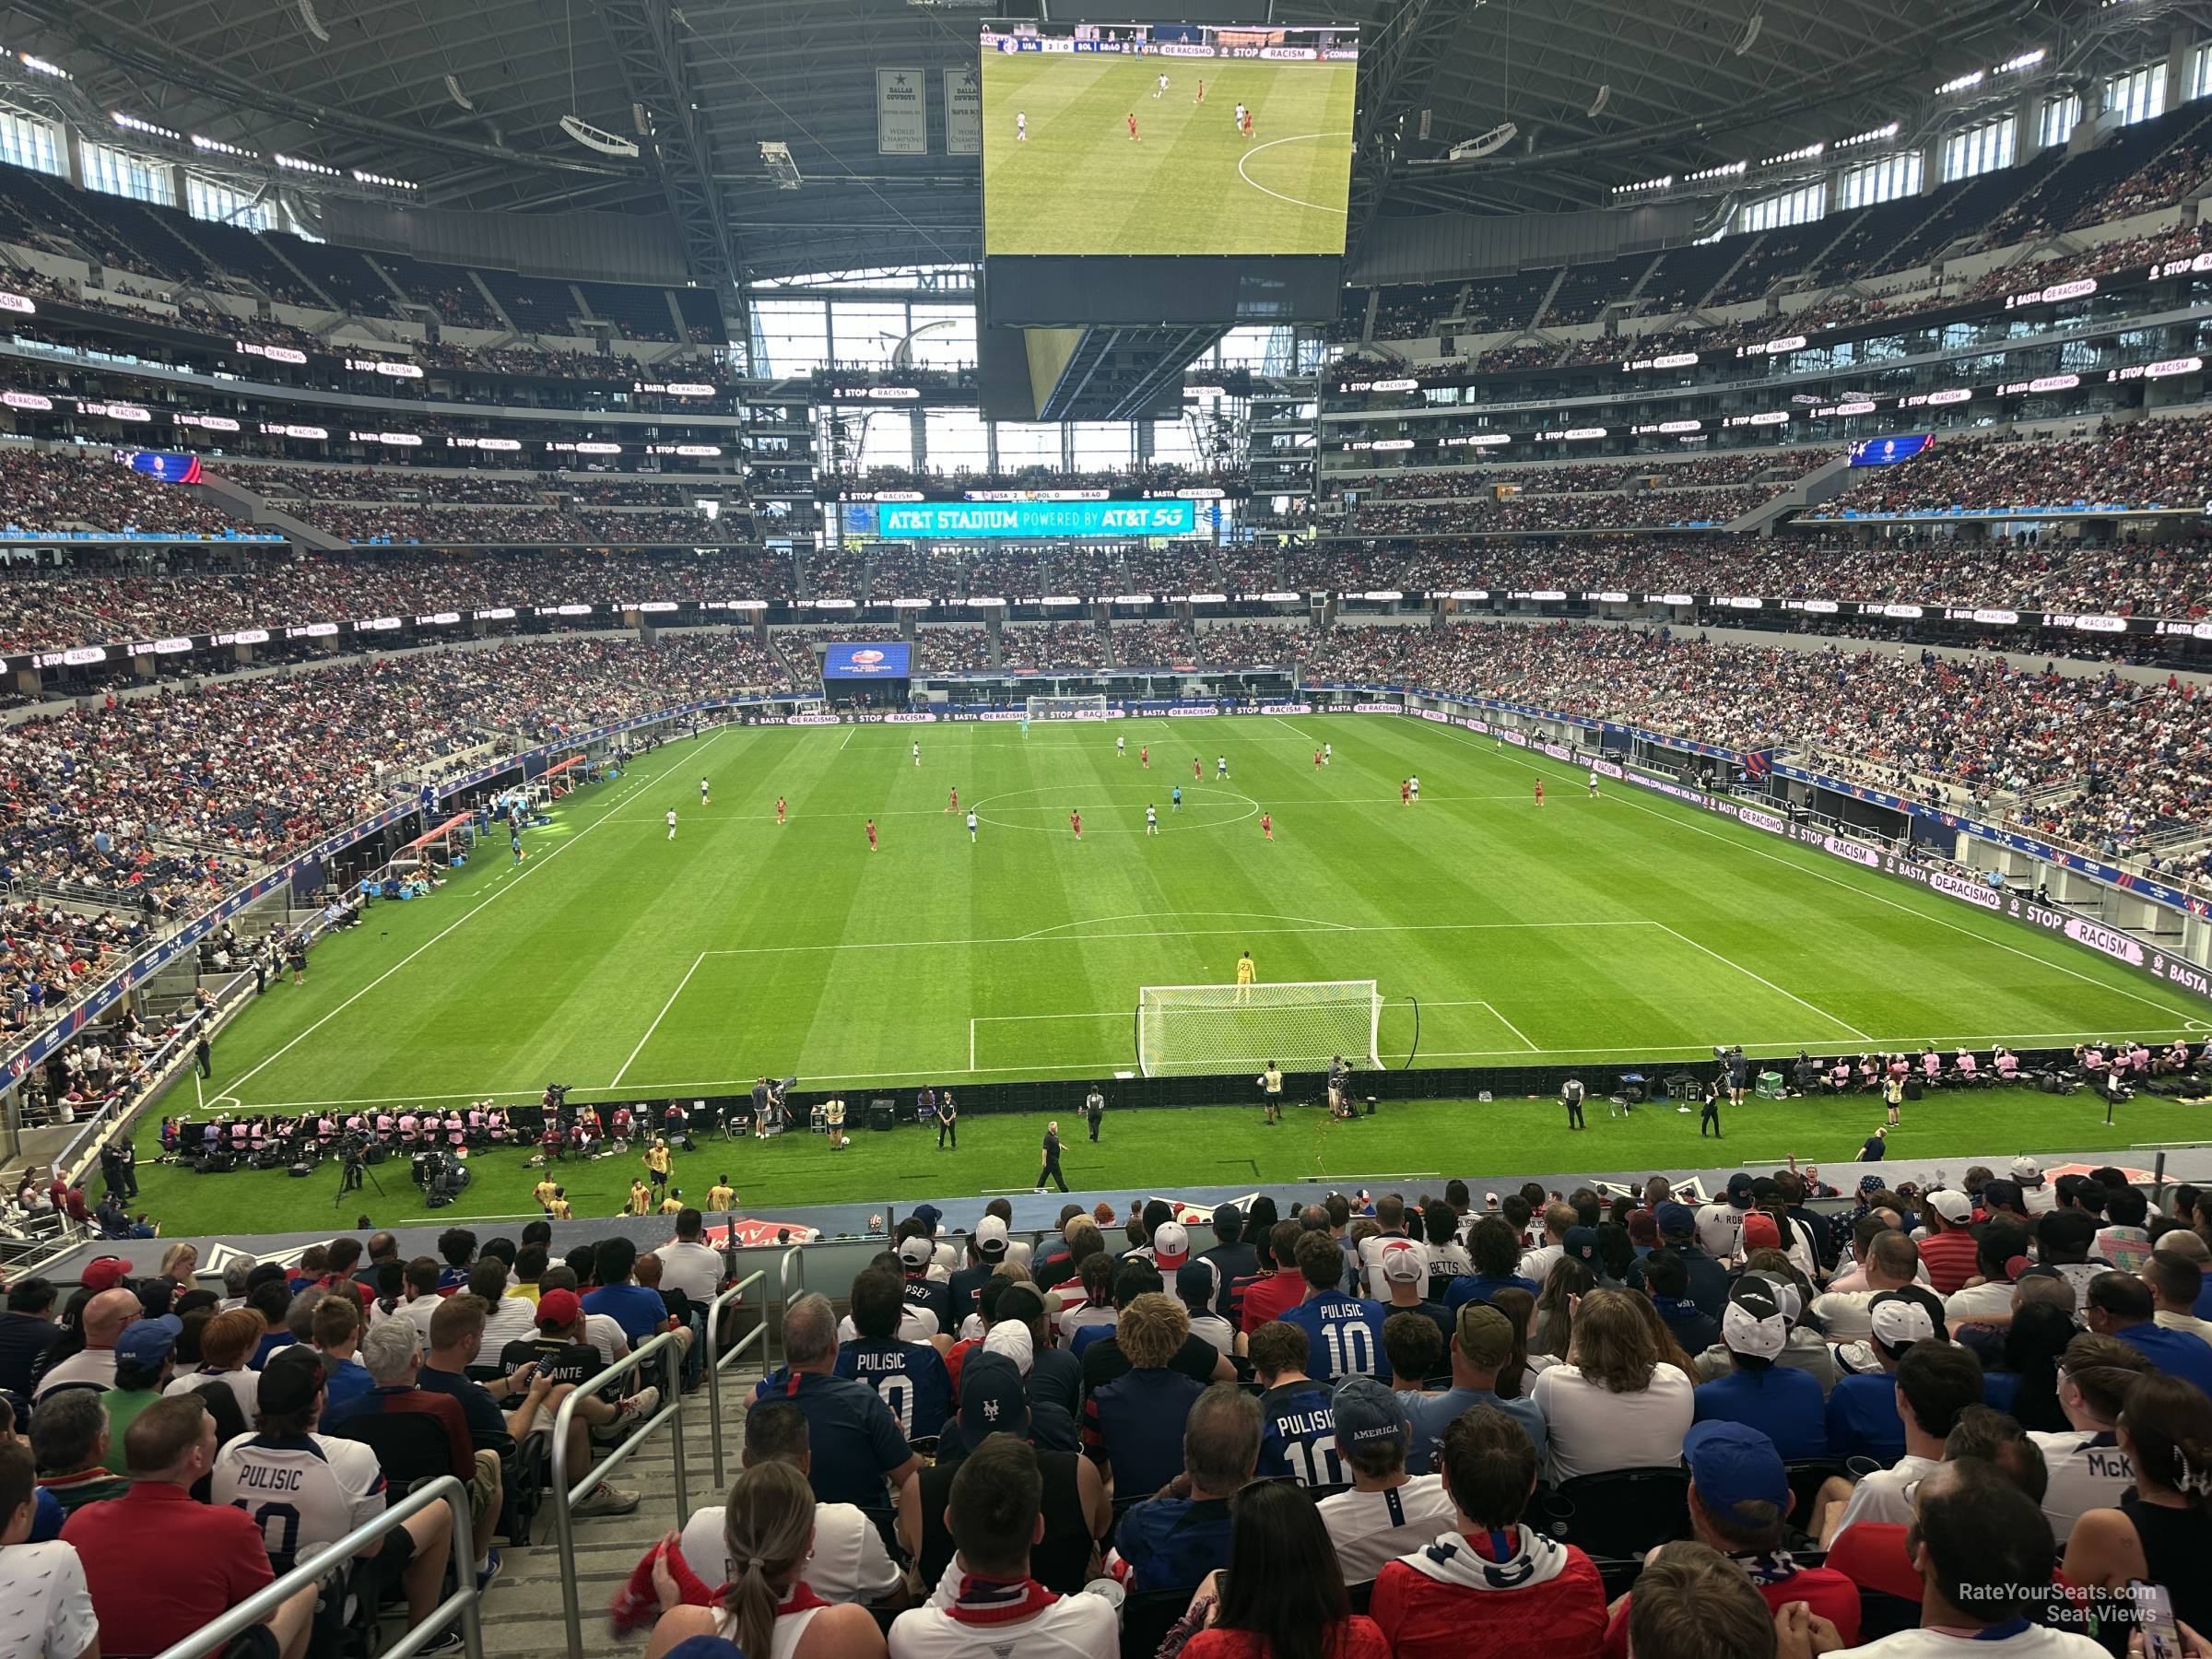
(1824, 483)
(252, 507)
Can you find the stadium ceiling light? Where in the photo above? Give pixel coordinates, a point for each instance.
(217, 146)
(1962, 83)
(131, 123)
(1729, 171)
(378, 179)
(1663, 182)
(296, 165)
(1871, 136)
(2027, 60)
(39, 66)
(1803, 152)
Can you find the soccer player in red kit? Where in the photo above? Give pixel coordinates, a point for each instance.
(1316, 759)
(1075, 822)
(1405, 791)
(1201, 98)
(871, 835)
(1248, 123)
(1144, 755)
(952, 801)
(1133, 126)
(1539, 791)
(1268, 826)
(779, 809)
(1194, 772)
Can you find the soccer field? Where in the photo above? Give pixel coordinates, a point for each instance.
(1588, 932)
(1189, 182)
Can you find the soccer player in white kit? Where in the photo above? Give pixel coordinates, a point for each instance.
(972, 824)
(1221, 766)
(702, 792)
(1021, 126)
(1160, 90)
(1151, 820)
(1121, 748)
(1593, 783)
(1414, 785)
(671, 823)
(1328, 753)
(917, 753)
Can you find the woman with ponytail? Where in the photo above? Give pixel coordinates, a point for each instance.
(2162, 1531)
(766, 1608)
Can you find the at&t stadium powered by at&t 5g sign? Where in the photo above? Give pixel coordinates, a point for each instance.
(922, 520)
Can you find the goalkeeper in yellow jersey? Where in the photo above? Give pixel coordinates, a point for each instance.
(1246, 975)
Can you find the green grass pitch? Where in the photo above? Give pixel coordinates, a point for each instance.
(1189, 182)
(1589, 932)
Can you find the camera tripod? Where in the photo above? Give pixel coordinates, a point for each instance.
(352, 1172)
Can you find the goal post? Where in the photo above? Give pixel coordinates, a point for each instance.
(1185, 1030)
(1065, 708)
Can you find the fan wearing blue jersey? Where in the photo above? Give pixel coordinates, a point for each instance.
(909, 1377)
(1132, 1426)
(306, 1490)
(1344, 1333)
(1297, 1428)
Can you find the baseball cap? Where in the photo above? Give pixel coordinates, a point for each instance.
(1171, 1245)
(1642, 1228)
(1403, 1261)
(1752, 1322)
(1870, 1184)
(558, 1310)
(291, 1381)
(1762, 1232)
(1195, 1284)
(1739, 1189)
(917, 1251)
(2025, 1167)
(1901, 1318)
(1013, 1340)
(145, 1343)
(1788, 1295)
(2001, 1194)
(1485, 1336)
(991, 1237)
(1733, 1463)
(1579, 1244)
(1228, 1214)
(992, 1399)
(929, 1215)
(1365, 1410)
(1676, 1220)
(102, 1272)
(1951, 1204)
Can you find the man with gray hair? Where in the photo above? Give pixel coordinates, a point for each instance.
(393, 1354)
(1173, 1540)
(69, 1441)
(235, 1273)
(856, 1442)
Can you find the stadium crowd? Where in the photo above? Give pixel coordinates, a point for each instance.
(1625, 510)
(2140, 464)
(51, 490)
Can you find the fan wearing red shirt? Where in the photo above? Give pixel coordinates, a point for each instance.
(1739, 1502)
(211, 1558)
(1947, 1252)
(1486, 1585)
(1276, 1293)
(1283, 1586)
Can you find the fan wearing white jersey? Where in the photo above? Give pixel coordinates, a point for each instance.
(766, 1608)
(987, 1597)
(307, 1490)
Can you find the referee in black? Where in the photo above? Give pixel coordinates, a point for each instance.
(1571, 1092)
(949, 1122)
(1711, 1114)
(1051, 1172)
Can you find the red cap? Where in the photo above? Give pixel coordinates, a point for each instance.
(558, 1310)
(102, 1272)
(1760, 1231)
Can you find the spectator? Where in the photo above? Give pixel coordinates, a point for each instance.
(144, 1355)
(2161, 1532)
(1132, 1426)
(507, 1318)
(1935, 1382)
(1488, 1583)
(1694, 1602)
(1667, 1279)
(2119, 1304)
(1949, 1251)
(422, 1293)
(2176, 1283)
(1614, 1404)
(856, 1442)
(909, 1376)
(849, 1562)
(213, 1556)
(70, 1441)
(26, 1330)
(1171, 1541)
(1388, 1513)
(767, 1607)
(1862, 1419)
(456, 1342)
(688, 1264)
(337, 1334)
(2086, 1468)
(562, 1356)
(1279, 1290)
(227, 1342)
(1232, 1256)
(1482, 1347)
(1196, 1287)
(1105, 1356)
(996, 1516)
(45, 1610)
(1283, 1593)
(1780, 1402)
(1077, 1509)
(103, 1321)
(1496, 1253)
(1297, 1428)
(1402, 1267)
(458, 1246)
(2003, 1241)
(1892, 1263)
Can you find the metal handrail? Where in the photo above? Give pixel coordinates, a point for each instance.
(715, 1365)
(464, 1602)
(565, 1497)
(797, 1253)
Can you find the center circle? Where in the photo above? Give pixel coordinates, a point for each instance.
(1167, 818)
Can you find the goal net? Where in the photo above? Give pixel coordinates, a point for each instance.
(1064, 708)
(1182, 1029)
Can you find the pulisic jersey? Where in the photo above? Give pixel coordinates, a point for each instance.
(1343, 1334)
(303, 1491)
(909, 1377)
(1297, 1434)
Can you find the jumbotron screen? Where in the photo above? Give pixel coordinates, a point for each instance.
(1166, 138)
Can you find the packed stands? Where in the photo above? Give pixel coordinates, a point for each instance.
(54, 490)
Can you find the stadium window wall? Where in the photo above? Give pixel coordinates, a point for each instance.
(1101, 445)
(28, 142)
(2200, 71)
(205, 199)
(955, 440)
(790, 336)
(118, 172)
(943, 335)
(865, 333)
(1981, 148)
(1882, 180)
(1174, 443)
(1029, 443)
(1799, 207)
(2060, 116)
(2137, 95)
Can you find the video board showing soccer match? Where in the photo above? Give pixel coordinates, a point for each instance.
(1170, 138)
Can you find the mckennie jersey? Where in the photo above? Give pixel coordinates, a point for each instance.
(1343, 1334)
(909, 1377)
(1297, 1434)
(303, 1491)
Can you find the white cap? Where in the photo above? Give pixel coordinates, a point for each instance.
(991, 1237)
(2025, 1167)
(1404, 1262)
(1012, 1338)
(917, 1251)
(1171, 1245)
(1951, 1204)
(1020, 1249)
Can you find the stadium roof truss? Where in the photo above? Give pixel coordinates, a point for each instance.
(466, 97)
